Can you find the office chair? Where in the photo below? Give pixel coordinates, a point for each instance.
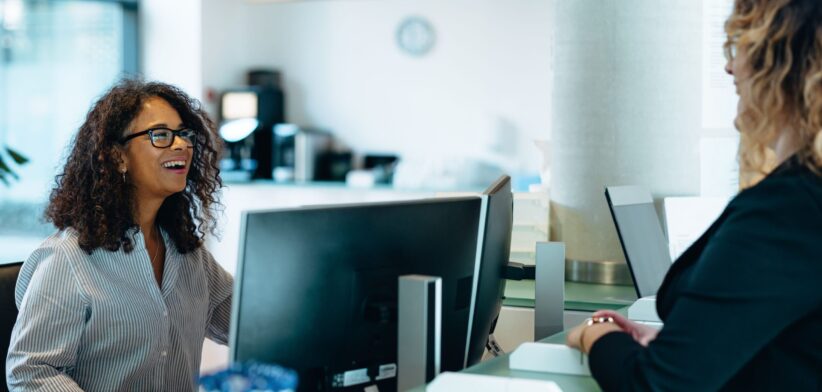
(8, 313)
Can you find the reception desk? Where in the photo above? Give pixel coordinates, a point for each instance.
(499, 367)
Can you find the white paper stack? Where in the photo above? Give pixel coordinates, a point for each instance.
(549, 358)
(458, 382)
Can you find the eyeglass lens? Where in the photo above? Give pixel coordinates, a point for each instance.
(165, 137)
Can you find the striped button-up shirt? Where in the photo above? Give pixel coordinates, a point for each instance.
(101, 322)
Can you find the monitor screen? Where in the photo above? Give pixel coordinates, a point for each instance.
(496, 223)
(641, 236)
(316, 287)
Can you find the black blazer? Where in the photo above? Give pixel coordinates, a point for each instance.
(742, 306)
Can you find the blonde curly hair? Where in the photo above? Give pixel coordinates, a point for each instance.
(782, 40)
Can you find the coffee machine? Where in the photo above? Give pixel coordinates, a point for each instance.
(247, 117)
(300, 153)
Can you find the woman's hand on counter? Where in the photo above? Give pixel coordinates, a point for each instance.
(641, 333)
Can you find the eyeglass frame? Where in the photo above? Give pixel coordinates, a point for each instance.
(731, 47)
(150, 132)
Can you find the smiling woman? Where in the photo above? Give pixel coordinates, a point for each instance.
(121, 297)
(127, 132)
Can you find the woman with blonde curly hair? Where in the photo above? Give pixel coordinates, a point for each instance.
(121, 297)
(742, 308)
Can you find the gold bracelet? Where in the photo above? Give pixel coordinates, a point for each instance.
(589, 322)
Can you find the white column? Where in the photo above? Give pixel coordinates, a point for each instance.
(171, 43)
(627, 110)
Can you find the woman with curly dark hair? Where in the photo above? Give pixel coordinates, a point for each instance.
(121, 297)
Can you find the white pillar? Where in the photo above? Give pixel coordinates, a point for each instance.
(627, 110)
(171, 44)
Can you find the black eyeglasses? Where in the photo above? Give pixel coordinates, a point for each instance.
(164, 137)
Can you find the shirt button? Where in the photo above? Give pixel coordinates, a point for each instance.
(165, 313)
(163, 353)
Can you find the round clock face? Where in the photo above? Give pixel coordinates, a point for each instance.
(415, 36)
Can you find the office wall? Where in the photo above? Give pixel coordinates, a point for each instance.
(484, 88)
(171, 43)
(224, 54)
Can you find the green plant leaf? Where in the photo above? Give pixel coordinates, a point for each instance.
(18, 158)
(6, 170)
(3, 166)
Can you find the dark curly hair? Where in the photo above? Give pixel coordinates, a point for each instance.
(90, 195)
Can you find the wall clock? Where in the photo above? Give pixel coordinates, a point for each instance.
(415, 36)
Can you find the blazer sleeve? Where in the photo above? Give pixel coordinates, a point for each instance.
(44, 342)
(758, 275)
(221, 285)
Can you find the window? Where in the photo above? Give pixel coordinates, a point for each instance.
(56, 58)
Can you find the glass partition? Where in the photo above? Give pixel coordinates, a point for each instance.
(56, 58)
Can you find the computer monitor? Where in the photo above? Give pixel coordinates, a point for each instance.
(316, 287)
(641, 236)
(496, 221)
